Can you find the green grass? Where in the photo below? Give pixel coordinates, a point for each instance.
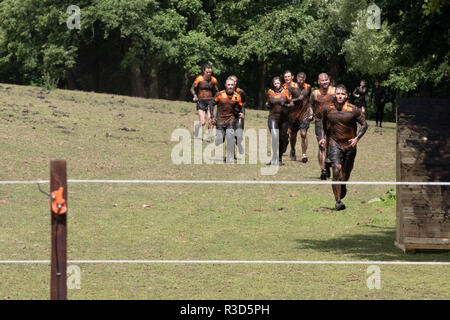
(106, 136)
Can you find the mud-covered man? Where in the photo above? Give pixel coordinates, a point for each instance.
(203, 90)
(300, 115)
(229, 106)
(319, 98)
(341, 120)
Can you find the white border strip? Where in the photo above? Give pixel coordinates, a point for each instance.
(239, 182)
(224, 262)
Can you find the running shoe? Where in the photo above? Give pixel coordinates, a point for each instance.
(339, 206)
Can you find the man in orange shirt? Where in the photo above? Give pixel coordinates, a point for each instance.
(295, 92)
(305, 115)
(239, 123)
(229, 104)
(278, 102)
(206, 86)
(319, 98)
(300, 115)
(341, 119)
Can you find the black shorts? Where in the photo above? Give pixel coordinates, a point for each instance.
(344, 157)
(204, 105)
(222, 131)
(297, 125)
(294, 126)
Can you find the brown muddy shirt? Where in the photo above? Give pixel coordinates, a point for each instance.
(227, 106)
(318, 100)
(205, 87)
(341, 125)
(307, 89)
(299, 112)
(276, 101)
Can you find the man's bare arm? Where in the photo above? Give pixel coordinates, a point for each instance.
(194, 94)
(364, 126)
(312, 102)
(362, 130)
(320, 132)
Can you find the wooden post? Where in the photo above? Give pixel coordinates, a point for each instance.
(58, 273)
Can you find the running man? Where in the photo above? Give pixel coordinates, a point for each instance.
(278, 102)
(378, 95)
(320, 98)
(229, 103)
(360, 95)
(295, 93)
(239, 123)
(206, 86)
(303, 118)
(341, 118)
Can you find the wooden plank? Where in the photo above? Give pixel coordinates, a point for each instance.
(415, 228)
(426, 209)
(426, 241)
(426, 246)
(411, 248)
(419, 191)
(58, 270)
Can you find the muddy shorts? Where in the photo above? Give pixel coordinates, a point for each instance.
(344, 157)
(205, 105)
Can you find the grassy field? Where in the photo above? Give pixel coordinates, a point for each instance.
(105, 136)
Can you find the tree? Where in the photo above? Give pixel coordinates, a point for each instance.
(271, 37)
(35, 44)
(410, 50)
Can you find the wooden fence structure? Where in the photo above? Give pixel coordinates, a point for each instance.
(423, 155)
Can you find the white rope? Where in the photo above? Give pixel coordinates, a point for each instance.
(25, 182)
(225, 262)
(408, 183)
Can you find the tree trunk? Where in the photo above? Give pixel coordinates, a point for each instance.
(96, 76)
(153, 90)
(334, 68)
(70, 78)
(262, 71)
(184, 88)
(137, 87)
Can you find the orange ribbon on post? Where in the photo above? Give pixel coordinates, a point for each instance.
(58, 202)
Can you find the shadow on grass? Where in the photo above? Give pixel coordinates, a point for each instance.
(375, 245)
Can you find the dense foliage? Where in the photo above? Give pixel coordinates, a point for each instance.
(153, 48)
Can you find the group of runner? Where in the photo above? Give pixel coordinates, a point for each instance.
(292, 107)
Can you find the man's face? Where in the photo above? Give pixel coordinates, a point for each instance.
(341, 95)
(288, 77)
(301, 80)
(229, 86)
(277, 84)
(235, 82)
(324, 81)
(207, 73)
(377, 84)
